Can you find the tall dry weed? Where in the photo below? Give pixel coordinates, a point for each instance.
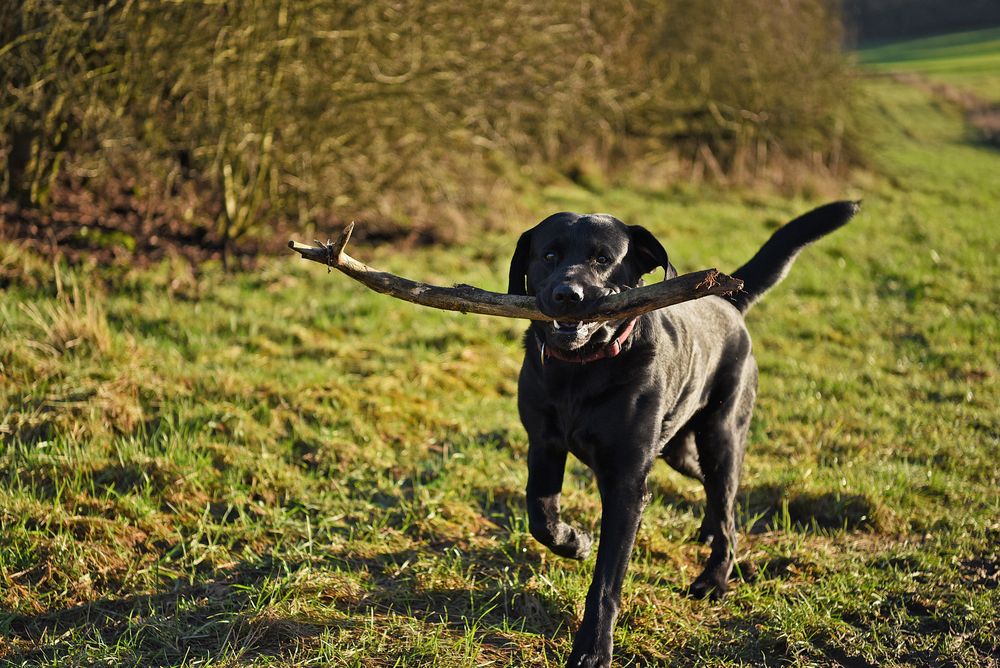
(74, 322)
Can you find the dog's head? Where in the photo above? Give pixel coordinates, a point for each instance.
(569, 259)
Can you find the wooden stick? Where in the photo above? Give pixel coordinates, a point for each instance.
(469, 299)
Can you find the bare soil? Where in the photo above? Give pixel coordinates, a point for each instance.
(118, 220)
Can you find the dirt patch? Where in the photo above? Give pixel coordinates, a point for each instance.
(982, 571)
(116, 222)
(987, 124)
(121, 220)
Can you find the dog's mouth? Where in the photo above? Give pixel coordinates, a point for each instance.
(568, 327)
(571, 335)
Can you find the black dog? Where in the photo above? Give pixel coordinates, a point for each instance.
(677, 384)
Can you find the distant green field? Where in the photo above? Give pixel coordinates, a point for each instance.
(281, 468)
(969, 60)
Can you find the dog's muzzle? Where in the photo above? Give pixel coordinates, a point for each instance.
(605, 352)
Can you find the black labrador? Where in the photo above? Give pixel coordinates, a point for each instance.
(677, 384)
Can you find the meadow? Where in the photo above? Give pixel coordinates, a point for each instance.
(277, 467)
(969, 60)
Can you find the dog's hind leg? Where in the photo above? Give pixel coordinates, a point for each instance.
(681, 454)
(721, 444)
(545, 477)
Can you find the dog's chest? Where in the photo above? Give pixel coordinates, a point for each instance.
(585, 409)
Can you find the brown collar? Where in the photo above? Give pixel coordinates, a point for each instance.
(608, 351)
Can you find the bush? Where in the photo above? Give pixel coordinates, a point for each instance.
(406, 110)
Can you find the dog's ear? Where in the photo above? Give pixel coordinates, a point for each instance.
(516, 284)
(647, 253)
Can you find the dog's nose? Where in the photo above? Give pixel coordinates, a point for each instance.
(567, 293)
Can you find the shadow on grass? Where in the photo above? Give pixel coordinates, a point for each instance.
(229, 614)
(183, 621)
(239, 613)
(775, 507)
(759, 638)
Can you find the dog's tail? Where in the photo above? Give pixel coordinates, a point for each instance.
(775, 258)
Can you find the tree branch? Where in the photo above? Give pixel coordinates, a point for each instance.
(469, 299)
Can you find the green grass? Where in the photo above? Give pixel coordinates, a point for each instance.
(281, 468)
(970, 60)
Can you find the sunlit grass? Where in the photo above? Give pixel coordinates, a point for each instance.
(970, 60)
(282, 468)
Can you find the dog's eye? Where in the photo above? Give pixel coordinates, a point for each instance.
(602, 259)
(551, 256)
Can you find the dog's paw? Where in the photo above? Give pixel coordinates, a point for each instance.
(707, 586)
(704, 536)
(576, 545)
(589, 661)
(592, 648)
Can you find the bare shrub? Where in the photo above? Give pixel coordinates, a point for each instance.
(411, 112)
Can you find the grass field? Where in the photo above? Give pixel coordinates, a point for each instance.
(970, 60)
(280, 468)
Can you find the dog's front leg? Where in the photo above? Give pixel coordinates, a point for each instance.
(546, 466)
(623, 501)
